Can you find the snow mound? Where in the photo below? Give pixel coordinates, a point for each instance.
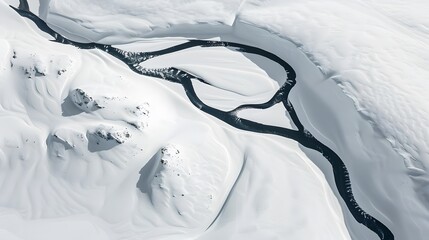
(83, 101)
(108, 107)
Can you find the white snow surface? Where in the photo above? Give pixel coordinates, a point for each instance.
(112, 172)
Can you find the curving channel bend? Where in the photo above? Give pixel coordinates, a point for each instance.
(301, 135)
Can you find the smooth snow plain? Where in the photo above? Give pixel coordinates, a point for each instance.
(88, 172)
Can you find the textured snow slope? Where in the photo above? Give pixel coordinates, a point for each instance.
(91, 150)
(379, 64)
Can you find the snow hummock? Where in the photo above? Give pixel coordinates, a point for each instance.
(83, 101)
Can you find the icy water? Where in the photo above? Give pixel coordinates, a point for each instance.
(301, 135)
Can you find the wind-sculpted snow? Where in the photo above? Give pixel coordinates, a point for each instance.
(131, 12)
(303, 136)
